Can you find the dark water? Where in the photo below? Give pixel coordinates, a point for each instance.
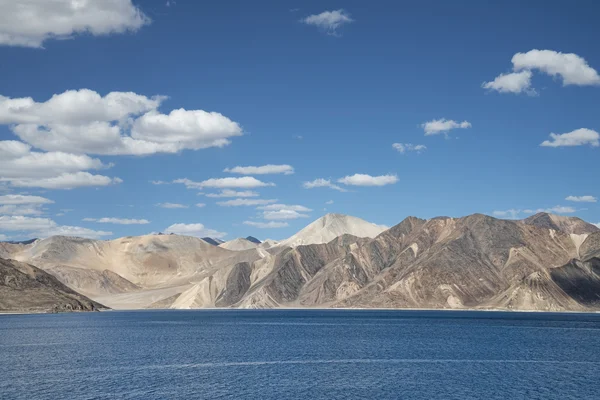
(299, 354)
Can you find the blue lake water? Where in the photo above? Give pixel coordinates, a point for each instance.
(279, 354)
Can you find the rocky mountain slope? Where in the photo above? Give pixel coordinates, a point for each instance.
(239, 244)
(25, 288)
(544, 262)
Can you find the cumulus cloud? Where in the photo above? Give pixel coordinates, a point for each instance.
(159, 182)
(197, 230)
(552, 210)
(262, 170)
(329, 202)
(29, 23)
(22, 167)
(267, 225)
(245, 182)
(24, 199)
(329, 21)
(443, 125)
(514, 82)
(171, 205)
(578, 137)
(407, 147)
(283, 214)
(44, 227)
(200, 205)
(118, 221)
(66, 181)
(320, 182)
(289, 207)
(245, 202)
(582, 199)
(17, 204)
(368, 180)
(511, 214)
(119, 123)
(571, 68)
(233, 193)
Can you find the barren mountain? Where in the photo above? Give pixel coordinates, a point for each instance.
(542, 263)
(327, 228)
(25, 288)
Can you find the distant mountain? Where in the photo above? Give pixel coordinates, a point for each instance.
(253, 239)
(29, 241)
(545, 262)
(25, 288)
(331, 226)
(214, 242)
(239, 244)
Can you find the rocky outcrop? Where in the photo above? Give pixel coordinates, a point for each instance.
(25, 288)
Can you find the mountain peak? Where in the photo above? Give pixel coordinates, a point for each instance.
(330, 226)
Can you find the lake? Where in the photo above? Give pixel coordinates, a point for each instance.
(307, 354)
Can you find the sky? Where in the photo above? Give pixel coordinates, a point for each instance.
(236, 118)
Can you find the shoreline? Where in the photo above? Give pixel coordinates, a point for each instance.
(592, 312)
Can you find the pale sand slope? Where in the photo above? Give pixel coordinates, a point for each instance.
(239, 244)
(327, 228)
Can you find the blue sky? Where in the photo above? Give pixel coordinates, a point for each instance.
(324, 87)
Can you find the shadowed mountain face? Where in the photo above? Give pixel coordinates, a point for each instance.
(545, 262)
(25, 288)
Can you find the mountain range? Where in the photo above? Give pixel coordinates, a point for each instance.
(545, 262)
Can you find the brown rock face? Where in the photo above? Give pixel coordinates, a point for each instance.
(25, 288)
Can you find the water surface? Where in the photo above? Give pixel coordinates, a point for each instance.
(314, 354)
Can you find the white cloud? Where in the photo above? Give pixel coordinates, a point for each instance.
(24, 199)
(443, 125)
(66, 181)
(404, 147)
(3, 237)
(233, 193)
(320, 182)
(573, 69)
(159, 182)
(262, 170)
(118, 221)
(44, 227)
(78, 231)
(578, 137)
(22, 167)
(197, 230)
(84, 122)
(185, 129)
(29, 23)
(245, 182)
(553, 210)
(283, 214)
(171, 205)
(368, 180)
(245, 202)
(329, 21)
(511, 214)
(584, 199)
(292, 207)
(22, 223)
(329, 202)
(200, 205)
(267, 225)
(514, 82)
(14, 209)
